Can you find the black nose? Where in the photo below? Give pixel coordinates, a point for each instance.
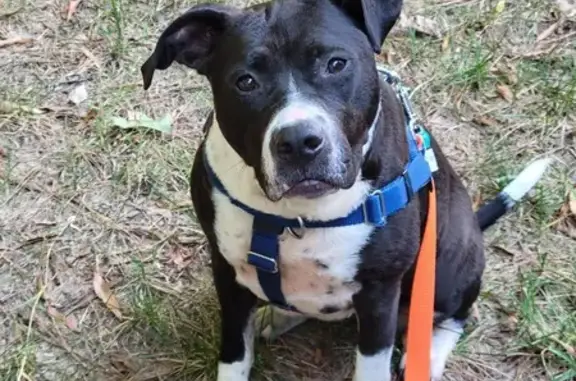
(298, 142)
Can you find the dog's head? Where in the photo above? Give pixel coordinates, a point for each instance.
(294, 83)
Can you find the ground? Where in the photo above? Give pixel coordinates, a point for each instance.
(103, 268)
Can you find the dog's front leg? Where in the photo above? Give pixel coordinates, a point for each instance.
(376, 307)
(237, 308)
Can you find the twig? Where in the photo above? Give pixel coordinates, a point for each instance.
(16, 41)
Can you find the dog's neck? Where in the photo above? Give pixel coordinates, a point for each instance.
(233, 171)
(240, 181)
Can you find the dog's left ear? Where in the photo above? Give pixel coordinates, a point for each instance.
(375, 17)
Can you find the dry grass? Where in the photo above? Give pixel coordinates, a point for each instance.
(78, 195)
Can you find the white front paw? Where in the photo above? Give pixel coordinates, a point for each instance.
(375, 367)
(236, 371)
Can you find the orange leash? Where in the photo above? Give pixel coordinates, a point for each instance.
(421, 312)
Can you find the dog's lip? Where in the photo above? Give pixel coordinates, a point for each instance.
(309, 188)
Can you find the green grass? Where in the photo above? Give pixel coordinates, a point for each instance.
(547, 318)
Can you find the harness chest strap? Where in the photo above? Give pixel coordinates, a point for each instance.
(375, 210)
(378, 206)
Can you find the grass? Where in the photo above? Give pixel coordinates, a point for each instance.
(77, 193)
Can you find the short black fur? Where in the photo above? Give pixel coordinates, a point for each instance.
(290, 38)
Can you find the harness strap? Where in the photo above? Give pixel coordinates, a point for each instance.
(421, 311)
(378, 206)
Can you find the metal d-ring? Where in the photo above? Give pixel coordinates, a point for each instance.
(302, 228)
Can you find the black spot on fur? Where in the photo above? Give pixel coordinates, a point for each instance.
(321, 265)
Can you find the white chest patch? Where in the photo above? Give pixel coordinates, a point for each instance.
(317, 270)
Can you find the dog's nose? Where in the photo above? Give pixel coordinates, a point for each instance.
(298, 142)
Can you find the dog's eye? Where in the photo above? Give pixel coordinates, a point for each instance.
(246, 83)
(336, 65)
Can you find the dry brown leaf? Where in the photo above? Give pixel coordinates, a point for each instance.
(485, 120)
(446, 43)
(421, 25)
(69, 321)
(424, 25)
(102, 290)
(547, 32)
(71, 9)
(16, 41)
(180, 258)
(505, 92)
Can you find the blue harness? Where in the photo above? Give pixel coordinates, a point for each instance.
(380, 204)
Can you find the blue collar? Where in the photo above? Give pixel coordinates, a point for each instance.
(380, 204)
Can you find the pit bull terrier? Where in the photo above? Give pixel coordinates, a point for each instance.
(311, 184)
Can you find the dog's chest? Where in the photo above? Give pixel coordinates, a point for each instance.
(317, 270)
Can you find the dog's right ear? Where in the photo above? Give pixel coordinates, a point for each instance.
(375, 17)
(189, 40)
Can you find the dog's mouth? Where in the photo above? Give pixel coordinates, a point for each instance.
(310, 189)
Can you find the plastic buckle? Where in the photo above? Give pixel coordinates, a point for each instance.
(408, 183)
(370, 212)
(260, 262)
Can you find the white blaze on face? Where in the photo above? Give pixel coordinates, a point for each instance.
(297, 109)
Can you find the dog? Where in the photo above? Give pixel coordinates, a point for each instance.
(305, 133)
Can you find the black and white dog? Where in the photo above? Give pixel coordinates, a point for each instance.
(306, 184)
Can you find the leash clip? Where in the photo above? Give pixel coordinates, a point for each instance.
(302, 229)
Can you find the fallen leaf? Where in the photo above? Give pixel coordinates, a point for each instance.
(71, 9)
(137, 120)
(69, 321)
(56, 314)
(78, 94)
(547, 32)
(421, 25)
(180, 258)
(505, 92)
(567, 7)
(500, 6)
(15, 41)
(90, 115)
(485, 120)
(102, 290)
(446, 43)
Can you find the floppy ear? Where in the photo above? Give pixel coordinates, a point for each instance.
(188, 40)
(375, 17)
